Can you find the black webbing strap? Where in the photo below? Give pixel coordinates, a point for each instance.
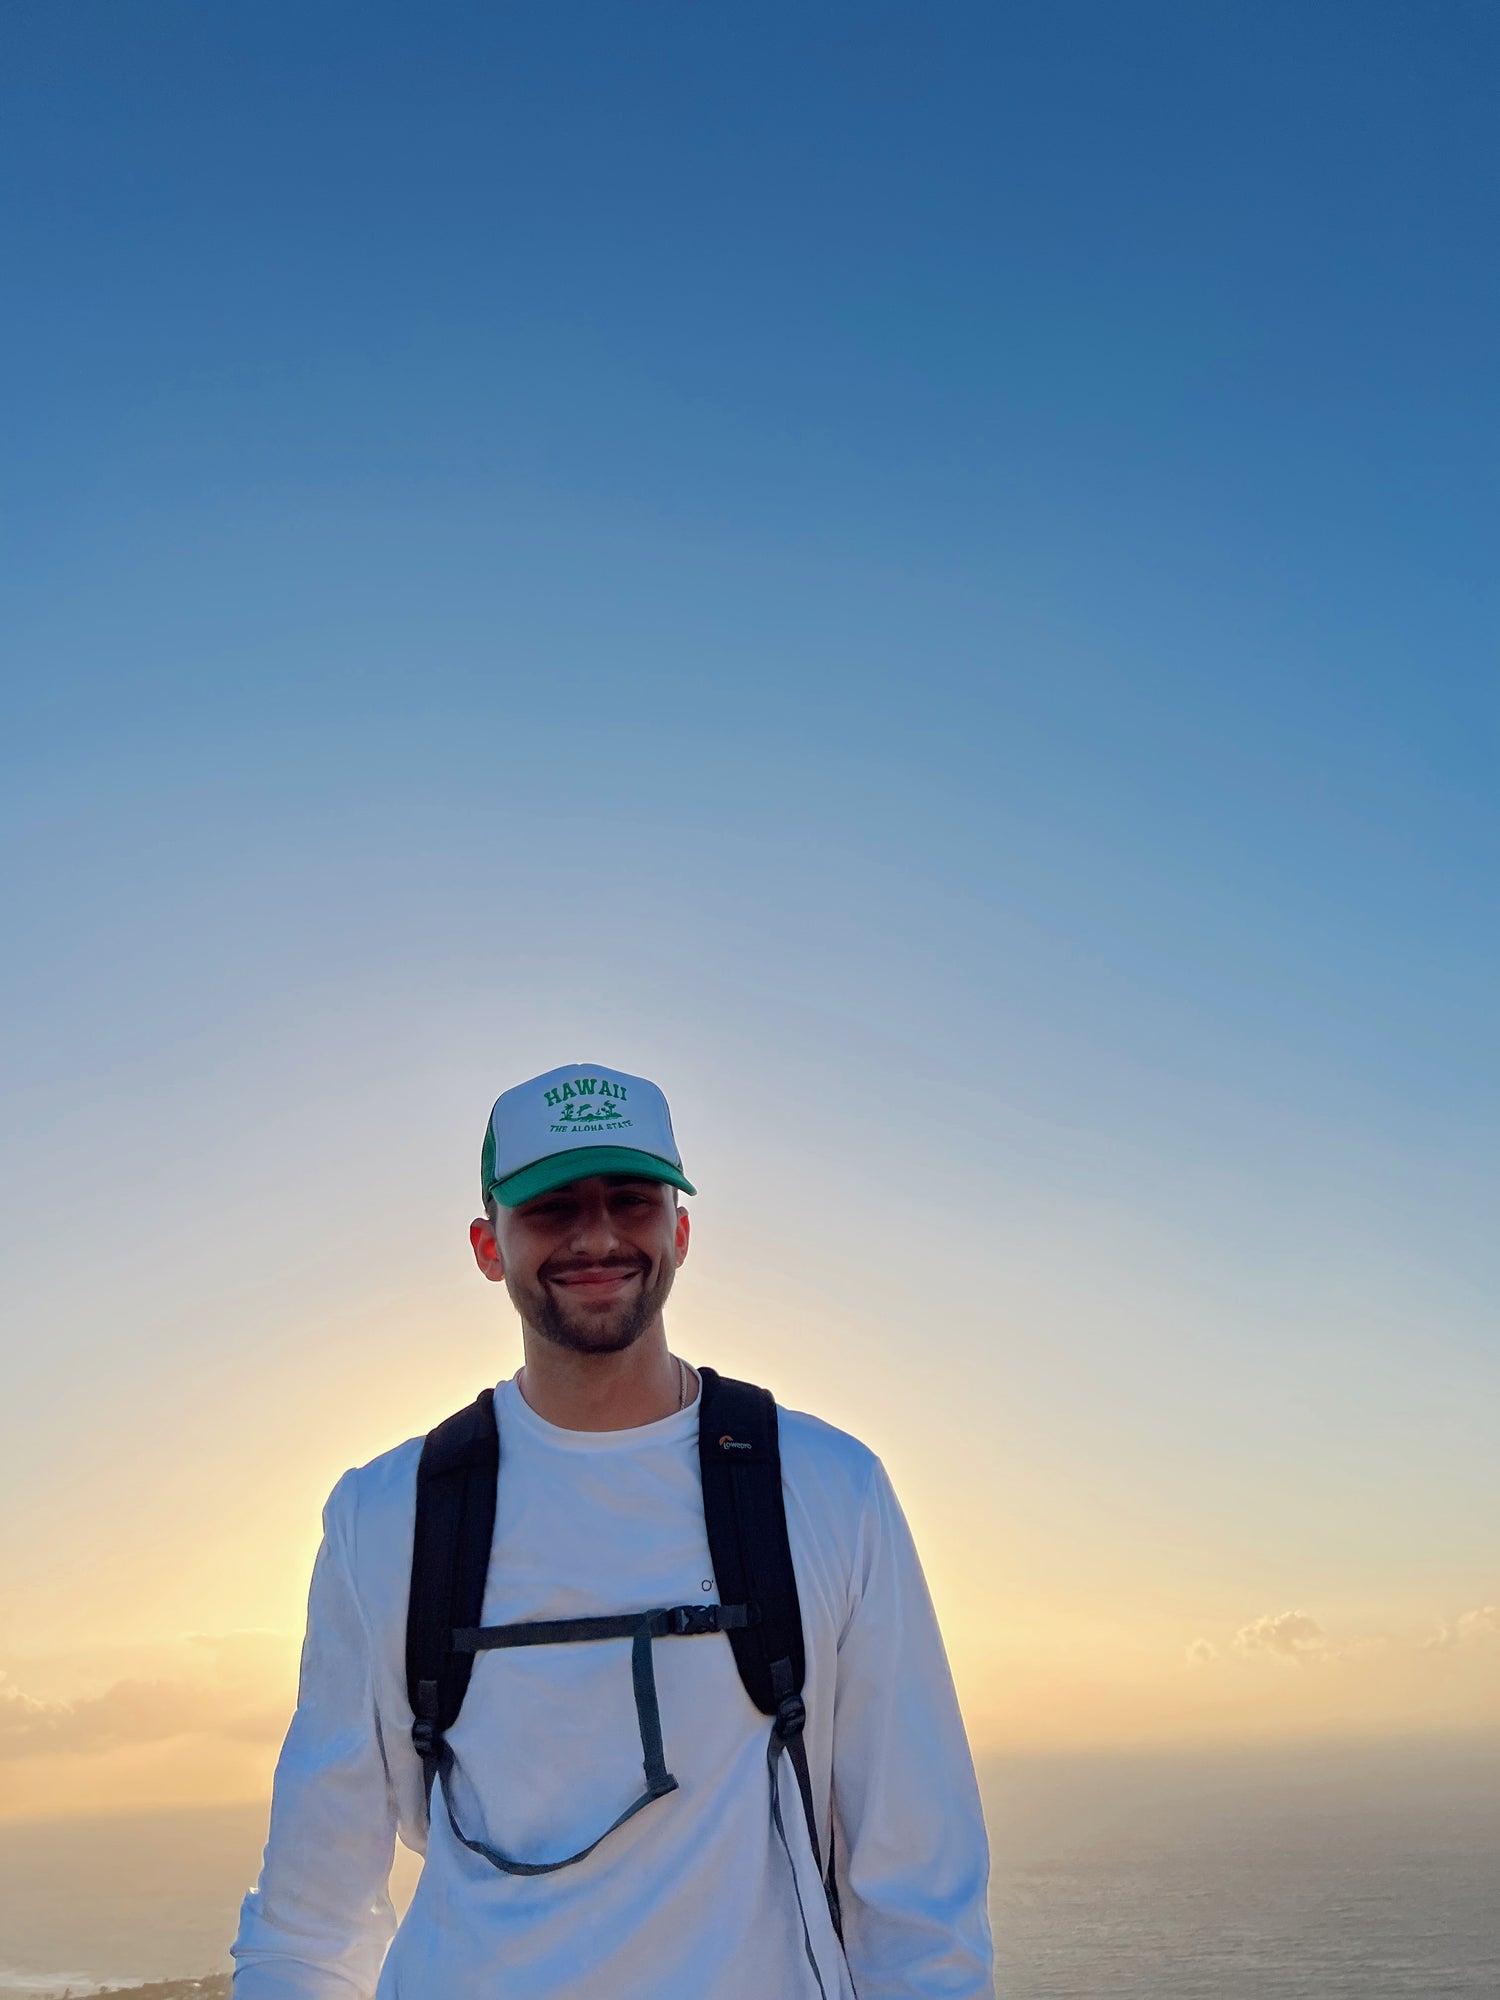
(684, 1621)
(786, 1736)
(739, 1456)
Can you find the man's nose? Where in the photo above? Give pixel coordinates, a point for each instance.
(594, 1233)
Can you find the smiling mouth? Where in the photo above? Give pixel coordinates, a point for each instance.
(602, 1281)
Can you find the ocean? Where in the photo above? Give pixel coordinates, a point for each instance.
(1285, 1874)
(1282, 1875)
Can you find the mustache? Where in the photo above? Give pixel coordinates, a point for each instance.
(555, 1269)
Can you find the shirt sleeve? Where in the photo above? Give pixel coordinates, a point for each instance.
(317, 1925)
(913, 1865)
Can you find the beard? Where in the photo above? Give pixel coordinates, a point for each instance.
(584, 1330)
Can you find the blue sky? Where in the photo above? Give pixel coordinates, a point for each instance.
(925, 575)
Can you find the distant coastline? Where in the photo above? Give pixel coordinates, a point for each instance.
(216, 1987)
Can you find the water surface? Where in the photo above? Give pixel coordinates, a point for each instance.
(1306, 1874)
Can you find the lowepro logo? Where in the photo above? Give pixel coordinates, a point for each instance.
(727, 1443)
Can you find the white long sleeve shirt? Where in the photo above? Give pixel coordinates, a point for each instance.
(693, 1898)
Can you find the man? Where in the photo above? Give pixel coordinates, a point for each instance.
(709, 1887)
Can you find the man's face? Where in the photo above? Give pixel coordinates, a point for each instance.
(588, 1266)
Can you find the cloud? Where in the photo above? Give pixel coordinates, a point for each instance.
(1300, 1640)
(1286, 1635)
(236, 1693)
(1471, 1627)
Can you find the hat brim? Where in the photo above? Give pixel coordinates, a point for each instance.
(578, 1164)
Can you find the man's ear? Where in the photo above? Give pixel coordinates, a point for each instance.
(487, 1249)
(684, 1231)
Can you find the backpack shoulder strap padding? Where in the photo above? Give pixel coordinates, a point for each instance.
(450, 1561)
(740, 1456)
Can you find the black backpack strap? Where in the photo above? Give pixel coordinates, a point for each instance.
(450, 1560)
(739, 1453)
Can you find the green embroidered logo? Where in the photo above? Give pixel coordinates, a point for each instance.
(588, 1102)
(590, 1114)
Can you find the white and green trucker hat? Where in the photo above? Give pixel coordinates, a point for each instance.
(584, 1119)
